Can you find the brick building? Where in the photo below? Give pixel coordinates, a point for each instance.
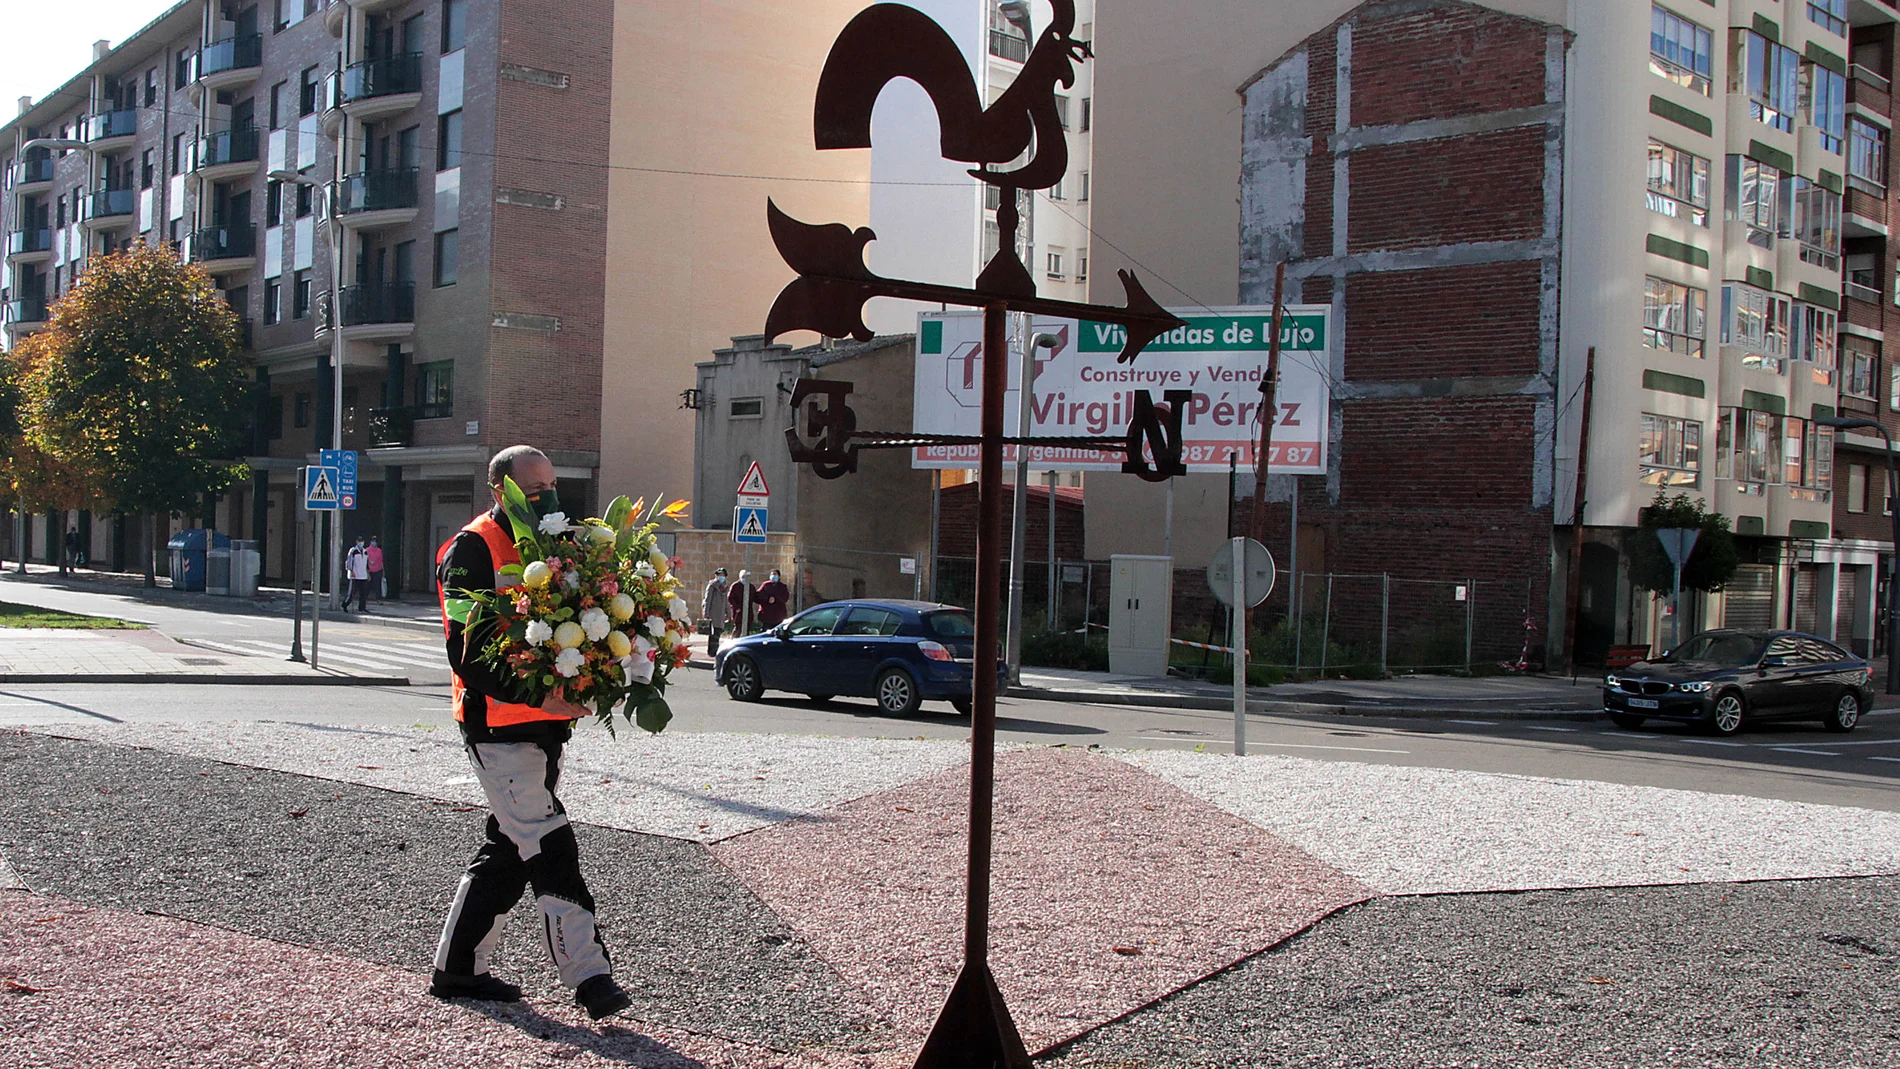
(1406, 164)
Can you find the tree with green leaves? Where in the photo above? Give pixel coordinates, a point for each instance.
(140, 378)
(1710, 565)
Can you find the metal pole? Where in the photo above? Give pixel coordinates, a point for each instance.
(1240, 646)
(296, 587)
(1385, 617)
(1471, 600)
(1893, 611)
(1675, 611)
(316, 595)
(1326, 626)
(936, 493)
(1573, 585)
(1299, 624)
(1049, 621)
(1167, 524)
(1293, 550)
(1269, 383)
(1019, 520)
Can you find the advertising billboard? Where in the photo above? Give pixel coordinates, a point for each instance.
(1080, 390)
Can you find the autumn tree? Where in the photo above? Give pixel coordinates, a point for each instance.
(31, 479)
(140, 378)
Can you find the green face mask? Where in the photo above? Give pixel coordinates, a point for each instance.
(544, 503)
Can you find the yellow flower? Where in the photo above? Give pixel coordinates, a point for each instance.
(569, 635)
(537, 574)
(619, 644)
(622, 608)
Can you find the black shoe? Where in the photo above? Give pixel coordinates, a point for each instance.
(601, 997)
(482, 986)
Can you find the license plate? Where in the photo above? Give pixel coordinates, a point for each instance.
(1644, 703)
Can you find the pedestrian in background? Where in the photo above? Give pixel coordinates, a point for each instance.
(71, 559)
(376, 580)
(356, 567)
(774, 601)
(741, 604)
(714, 610)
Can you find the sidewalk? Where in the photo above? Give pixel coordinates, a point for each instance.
(1517, 697)
(418, 609)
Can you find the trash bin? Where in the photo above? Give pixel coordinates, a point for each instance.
(218, 571)
(246, 563)
(189, 552)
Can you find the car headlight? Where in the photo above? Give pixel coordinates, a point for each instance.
(1611, 681)
(1698, 687)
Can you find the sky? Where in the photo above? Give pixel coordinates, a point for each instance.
(58, 37)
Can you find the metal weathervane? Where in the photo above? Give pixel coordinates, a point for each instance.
(882, 43)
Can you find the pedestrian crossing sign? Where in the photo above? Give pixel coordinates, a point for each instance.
(320, 487)
(749, 525)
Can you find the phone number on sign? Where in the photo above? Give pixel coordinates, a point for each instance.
(1292, 454)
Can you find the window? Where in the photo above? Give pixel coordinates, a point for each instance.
(1860, 374)
(1857, 488)
(1769, 75)
(1678, 183)
(1055, 263)
(178, 154)
(277, 105)
(1670, 451)
(181, 70)
(408, 151)
(448, 256)
(1814, 219)
(1830, 15)
(454, 24)
(59, 212)
(1081, 265)
(1867, 152)
(1055, 191)
(145, 169)
(1062, 110)
(273, 203)
(448, 141)
(1082, 193)
(300, 295)
(869, 622)
(817, 622)
(301, 410)
(273, 301)
(1087, 118)
(1762, 447)
(307, 91)
(304, 199)
(435, 389)
(1824, 103)
(151, 87)
(1754, 197)
(746, 408)
(1814, 340)
(1675, 316)
(1680, 50)
(1757, 322)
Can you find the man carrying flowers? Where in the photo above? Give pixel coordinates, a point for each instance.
(514, 741)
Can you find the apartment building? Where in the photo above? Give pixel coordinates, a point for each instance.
(933, 221)
(424, 192)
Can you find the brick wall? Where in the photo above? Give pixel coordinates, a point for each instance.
(1485, 187)
(1442, 63)
(1482, 320)
(702, 551)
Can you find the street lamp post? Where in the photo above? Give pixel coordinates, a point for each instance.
(1025, 401)
(1852, 423)
(336, 368)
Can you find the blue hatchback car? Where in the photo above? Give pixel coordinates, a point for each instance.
(902, 653)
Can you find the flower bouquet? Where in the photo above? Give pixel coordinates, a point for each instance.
(593, 610)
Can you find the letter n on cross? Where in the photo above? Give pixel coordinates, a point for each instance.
(1160, 430)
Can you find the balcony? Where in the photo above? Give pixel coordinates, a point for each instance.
(30, 245)
(112, 130)
(108, 208)
(226, 154)
(229, 63)
(372, 200)
(374, 88)
(378, 312)
(224, 250)
(1006, 45)
(392, 428)
(24, 316)
(33, 176)
(336, 14)
(1865, 13)
(373, 5)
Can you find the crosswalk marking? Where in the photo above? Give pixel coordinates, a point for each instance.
(352, 653)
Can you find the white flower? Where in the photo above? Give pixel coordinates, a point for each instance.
(569, 635)
(622, 607)
(569, 663)
(597, 533)
(570, 580)
(554, 523)
(656, 626)
(679, 609)
(645, 570)
(596, 624)
(637, 667)
(539, 633)
(537, 574)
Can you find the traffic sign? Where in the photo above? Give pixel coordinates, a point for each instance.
(1678, 542)
(749, 525)
(320, 487)
(753, 493)
(1257, 578)
(344, 461)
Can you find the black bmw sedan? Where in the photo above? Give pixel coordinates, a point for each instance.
(1724, 680)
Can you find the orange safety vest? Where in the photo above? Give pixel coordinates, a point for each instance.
(501, 549)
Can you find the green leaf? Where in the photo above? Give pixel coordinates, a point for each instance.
(520, 514)
(510, 571)
(653, 714)
(618, 512)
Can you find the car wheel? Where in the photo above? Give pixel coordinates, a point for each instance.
(819, 699)
(962, 705)
(1626, 721)
(897, 692)
(1846, 713)
(742, 680)
(1729, 714)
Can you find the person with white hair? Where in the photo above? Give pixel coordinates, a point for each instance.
(741, 603)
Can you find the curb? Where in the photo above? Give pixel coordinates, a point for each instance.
(207, 678)
(1186, 701)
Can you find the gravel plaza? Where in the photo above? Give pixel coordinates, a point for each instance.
(268, 894)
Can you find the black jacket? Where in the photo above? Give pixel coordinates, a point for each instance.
(469, 566)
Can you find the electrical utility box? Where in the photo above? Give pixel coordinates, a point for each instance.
(1140, 614)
